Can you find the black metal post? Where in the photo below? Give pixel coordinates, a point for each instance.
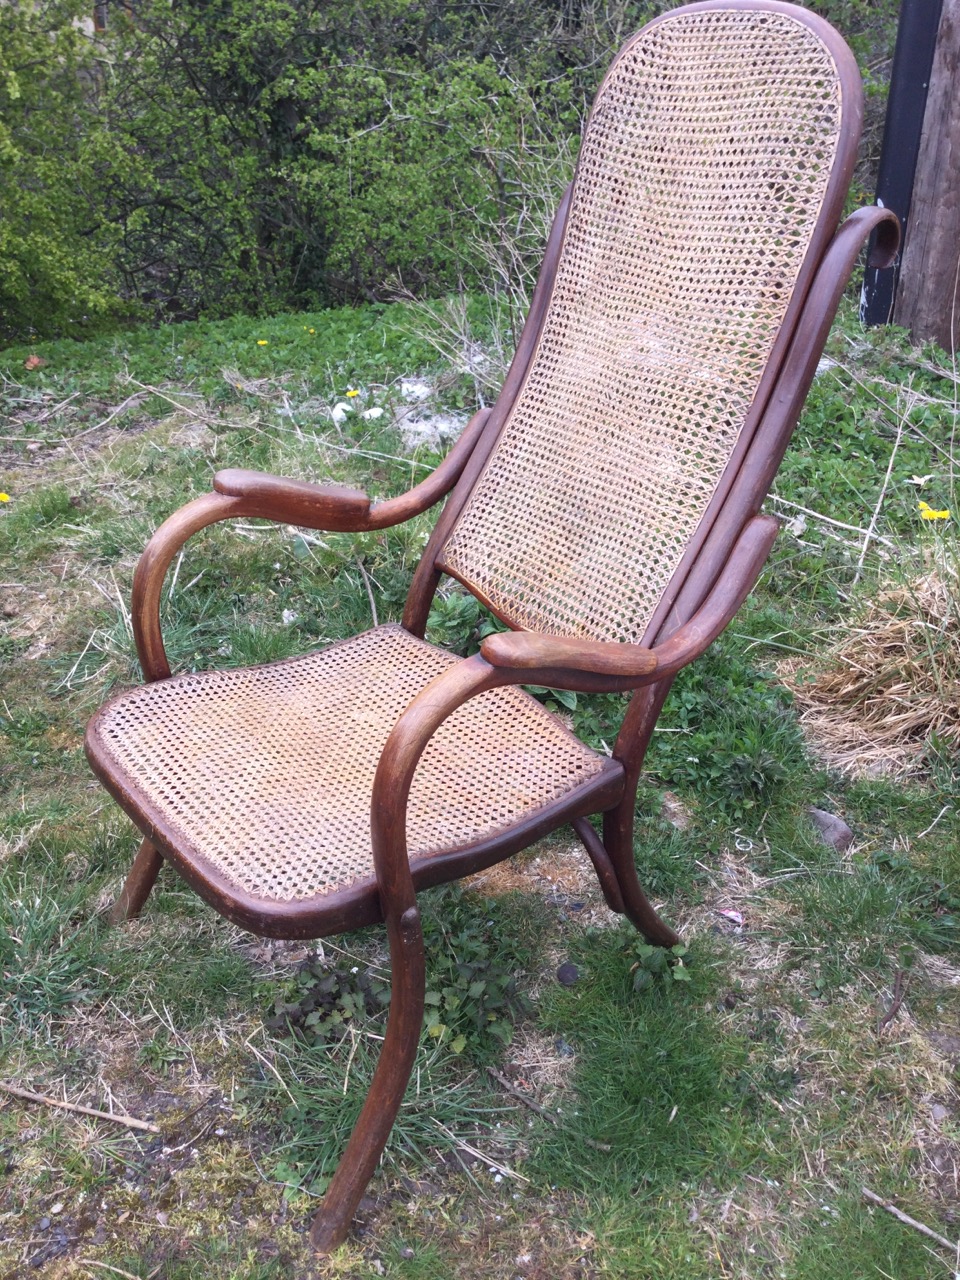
(909, 79)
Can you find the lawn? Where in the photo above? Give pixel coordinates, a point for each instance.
(716, 1117)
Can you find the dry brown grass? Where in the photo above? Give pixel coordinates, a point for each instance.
(891, 681)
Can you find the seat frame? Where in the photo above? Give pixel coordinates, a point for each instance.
(719, 569)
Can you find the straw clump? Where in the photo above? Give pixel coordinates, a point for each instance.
(889, 686)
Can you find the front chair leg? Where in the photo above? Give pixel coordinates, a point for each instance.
(140, 880)
(369, 1137)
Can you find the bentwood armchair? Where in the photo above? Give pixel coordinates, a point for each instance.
(607, 508)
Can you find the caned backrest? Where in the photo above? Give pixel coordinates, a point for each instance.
(709, 182)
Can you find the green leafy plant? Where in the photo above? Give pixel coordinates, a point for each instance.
(657, 965)
(472, 994)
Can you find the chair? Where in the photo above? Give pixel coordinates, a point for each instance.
(606, 508)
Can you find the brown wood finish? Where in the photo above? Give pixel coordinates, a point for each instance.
(718, 569)
(360, 904)
(138, 884)
(759, 465)
(252, 494)
(333, 508)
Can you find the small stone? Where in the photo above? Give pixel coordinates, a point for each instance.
(834, 830)
(939, 1112)
(34, 447)
(44, 1224)
(57, 1208)
(406, 1252)
(568, 974)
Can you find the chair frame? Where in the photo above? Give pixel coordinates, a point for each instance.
(718, 571)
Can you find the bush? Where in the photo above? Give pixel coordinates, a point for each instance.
(216, 156)
(56, 248)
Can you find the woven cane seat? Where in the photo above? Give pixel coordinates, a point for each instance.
(266, 773)
(701, 177)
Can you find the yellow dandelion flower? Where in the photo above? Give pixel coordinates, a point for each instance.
(312, 331)
(928, 513)
(351, 392)
(4, 497)
(262, 342)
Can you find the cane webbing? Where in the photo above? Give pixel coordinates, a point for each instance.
(702, 173)
(266, 773)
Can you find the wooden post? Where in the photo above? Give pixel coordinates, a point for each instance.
(928, 298)
(902, 130)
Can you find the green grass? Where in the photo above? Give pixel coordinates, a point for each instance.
(721, 1126)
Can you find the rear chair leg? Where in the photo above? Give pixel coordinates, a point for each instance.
(369, 1137)
(618, 841)
(139, 882)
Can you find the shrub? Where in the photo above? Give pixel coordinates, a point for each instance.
(56, 249)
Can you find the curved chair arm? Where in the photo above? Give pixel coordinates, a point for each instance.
(315, 506)
(525, 658)
(250, 494)
(591, 666)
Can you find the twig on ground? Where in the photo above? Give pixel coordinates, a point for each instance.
(366, 583)
(899, 985)
(952, 1245)
(130, 1121)
(130, 400)
(837, 524)
(883, 493)
(542, 1111)
(270, 1067)
(117, 1271)
(478, 1155)
(926, 831)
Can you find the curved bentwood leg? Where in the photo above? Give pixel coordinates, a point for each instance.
(618, 840)
(136, 888)
(631, 748)
(358, 1162)
(388, 822)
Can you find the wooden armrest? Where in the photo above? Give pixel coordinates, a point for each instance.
(340, 509)
(527, 650)
(600, 666)
(314, 506)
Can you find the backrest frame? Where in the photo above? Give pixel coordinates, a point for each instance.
(706, 550)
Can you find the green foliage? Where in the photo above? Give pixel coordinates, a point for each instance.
(343, 146)
(44, 956)
(726, 733)
(472, 994)
(56, 246)
(473, 955)
(928, 907)
(218, 157)
(318, 1003)
(657, 965)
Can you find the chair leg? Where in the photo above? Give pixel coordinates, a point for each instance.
(137, 886)
(618, 841)
(356, 1167)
